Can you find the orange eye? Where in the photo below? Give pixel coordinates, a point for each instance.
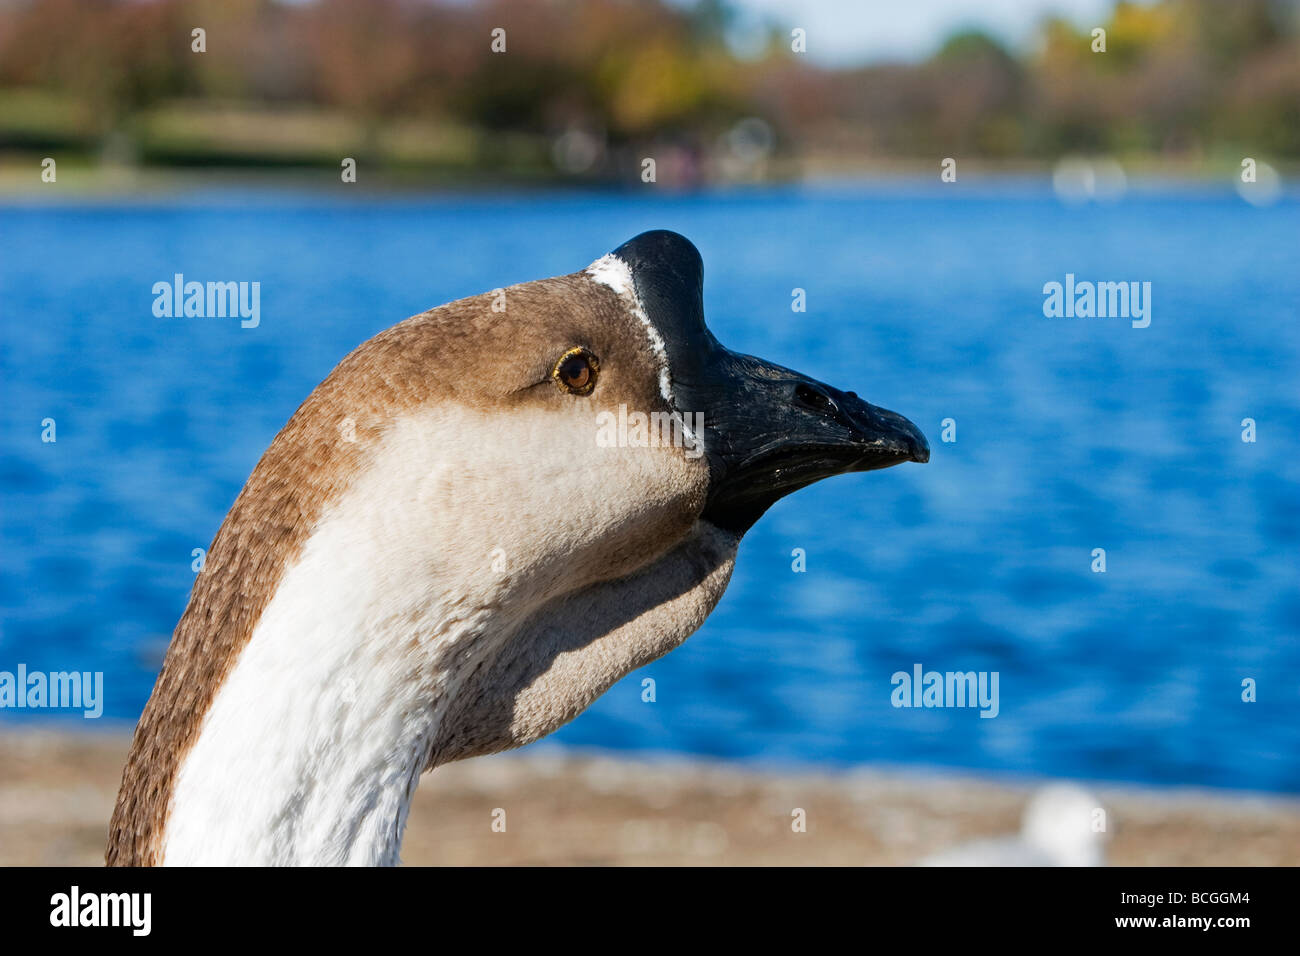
(575, 372)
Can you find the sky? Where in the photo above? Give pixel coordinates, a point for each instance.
(847, 32)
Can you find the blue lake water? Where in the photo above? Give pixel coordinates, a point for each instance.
(1071, 434)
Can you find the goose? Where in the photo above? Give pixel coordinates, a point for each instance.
(1063, 825)
(436, 558)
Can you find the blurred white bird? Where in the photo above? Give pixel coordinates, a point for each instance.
(1057, 829)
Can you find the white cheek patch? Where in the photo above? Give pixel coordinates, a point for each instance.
(609, 270)
(389, 609)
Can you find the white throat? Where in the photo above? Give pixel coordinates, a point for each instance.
(314, 744)
(358, 668)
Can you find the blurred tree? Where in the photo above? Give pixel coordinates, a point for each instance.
(1186, 77)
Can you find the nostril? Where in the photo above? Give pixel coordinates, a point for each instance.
(816, 399)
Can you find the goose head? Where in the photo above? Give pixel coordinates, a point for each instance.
(483, 518)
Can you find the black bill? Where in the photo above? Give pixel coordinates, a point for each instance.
(768, 430)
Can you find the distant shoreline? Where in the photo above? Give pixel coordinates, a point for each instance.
(80, 181)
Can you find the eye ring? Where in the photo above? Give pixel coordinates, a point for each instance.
(576, 370)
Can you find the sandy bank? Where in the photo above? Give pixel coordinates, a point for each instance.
(57, 792)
